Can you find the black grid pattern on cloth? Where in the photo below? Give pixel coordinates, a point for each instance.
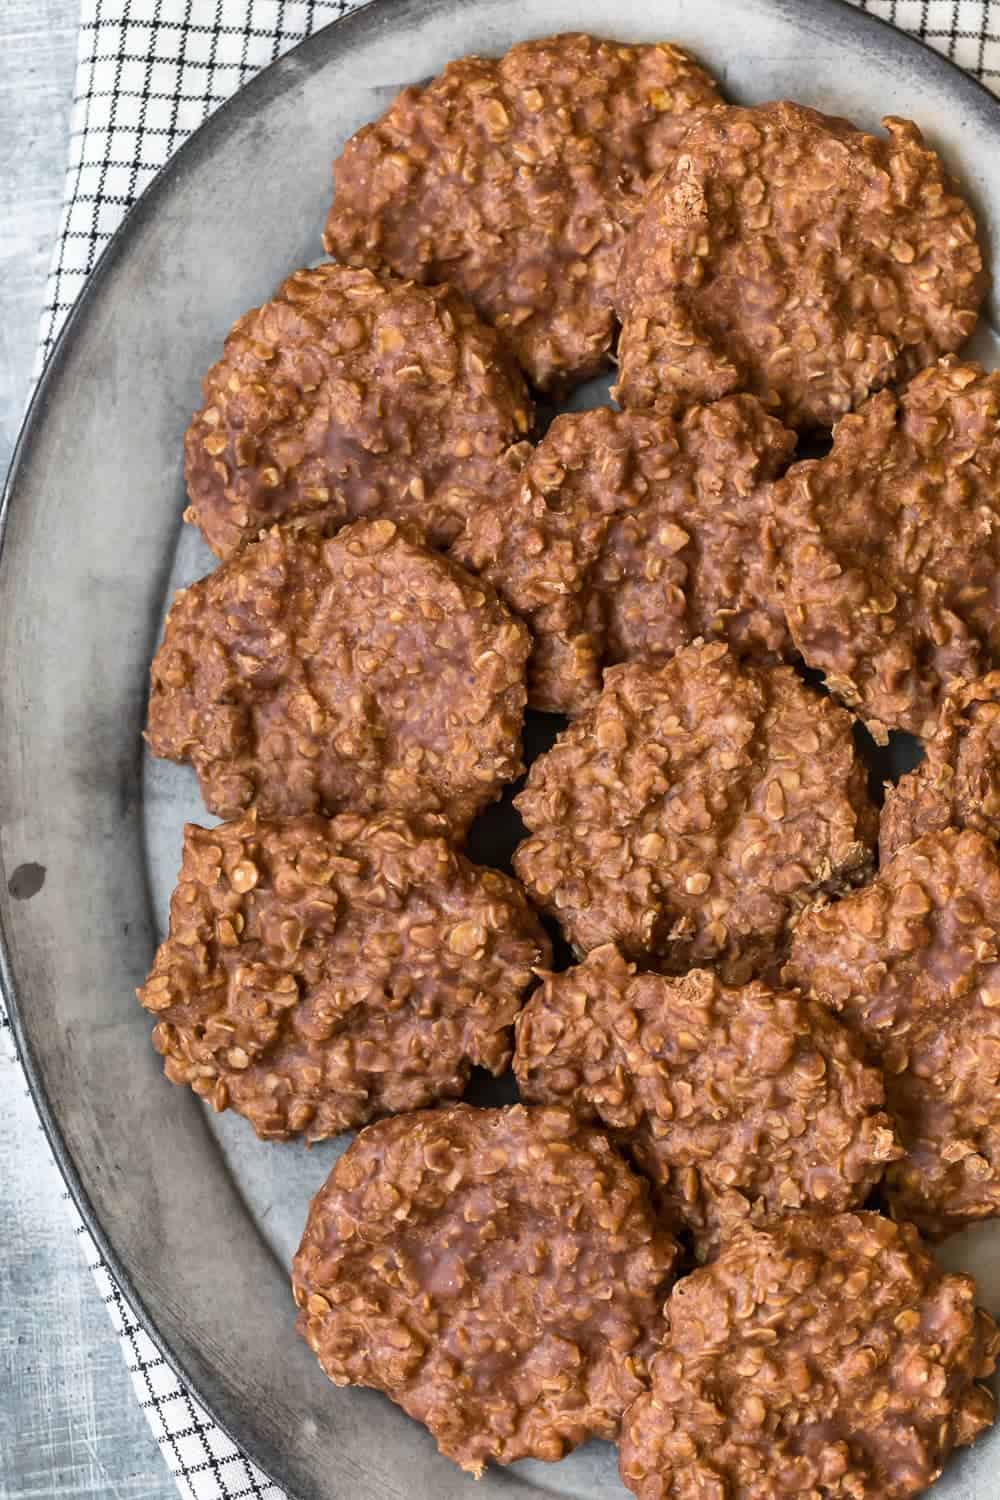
(205, 1462)
(149, 72)
(966, 31)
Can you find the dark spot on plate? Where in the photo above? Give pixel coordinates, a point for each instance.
(585, 397)
(883, 762)
(811, 676)
(813, 445)
(26, 881)
(498, 830)
(886, 763)
(487, 1092)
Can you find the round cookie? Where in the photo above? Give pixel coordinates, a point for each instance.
(318, 973)
(887, 551)
(823, 1355)
(912, 965)
(958, 783)
(346, 396)
(499, 1273)
(514, 180)
(693, 811)
(736, 1103)
(628, 535)
(361, 672)
(789, 254)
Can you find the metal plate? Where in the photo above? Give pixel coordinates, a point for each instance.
(197, 1218)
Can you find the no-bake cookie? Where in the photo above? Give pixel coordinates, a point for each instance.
(957, 784)
(320, 972)
(787, 253)
(824, 1355)
(738, 1103)
(693, 811)
(359, 672)
(346, 396)
(628, 535)
(498, 1273)
(888, 550)
(514, 179)
(912, 965)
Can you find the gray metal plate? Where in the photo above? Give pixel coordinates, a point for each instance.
(197, 1218)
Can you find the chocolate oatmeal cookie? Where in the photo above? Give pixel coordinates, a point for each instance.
(514, 180)
(346, 396)
(912, 965)
(630, 534)
(821, 1356)
(499, 1273)
(957, 785)
(360, 673)
(321, 972)
(888, 550)
(693, 811)
(787, 253)
(736, 1103)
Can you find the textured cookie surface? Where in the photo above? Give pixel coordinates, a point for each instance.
(957, 784)
(693, 810)
(912, 964)
(628, 535)
(789, 254)
(514, 180)
(889, 548)
(359, 673)
(318, 973)
(498, 1273)
(737, 1103)
(826, 1355)
(351, 396)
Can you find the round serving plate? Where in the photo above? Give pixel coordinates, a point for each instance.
(198, 1219)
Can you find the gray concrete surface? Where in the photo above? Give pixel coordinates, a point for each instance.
(69, 1426)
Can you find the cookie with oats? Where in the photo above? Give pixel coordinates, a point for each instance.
(787, 253)
(957, 784)
(349, 396)
(515, 179)
(886, 553)
(912, 965)
(499, 1273)
(630, 534)
(821, 1355)
(693, 811)
(358, 672)
(319, 972)
(737, 1103)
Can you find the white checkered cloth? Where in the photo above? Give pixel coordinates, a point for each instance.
(148, 73)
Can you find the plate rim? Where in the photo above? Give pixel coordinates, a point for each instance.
(312, 52)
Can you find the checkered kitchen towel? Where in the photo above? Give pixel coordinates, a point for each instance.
(149, 72)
